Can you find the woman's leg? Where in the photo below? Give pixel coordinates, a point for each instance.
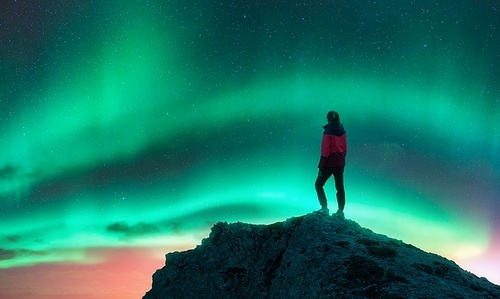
(320, 182)
(338, 174)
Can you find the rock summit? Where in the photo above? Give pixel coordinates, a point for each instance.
(311, 256)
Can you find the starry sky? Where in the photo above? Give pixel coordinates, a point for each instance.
(129, 128)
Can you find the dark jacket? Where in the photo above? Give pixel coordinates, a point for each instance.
(333, 147)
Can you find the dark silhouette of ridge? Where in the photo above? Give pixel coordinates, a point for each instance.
(311, 256)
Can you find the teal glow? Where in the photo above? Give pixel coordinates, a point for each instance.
(140, 125)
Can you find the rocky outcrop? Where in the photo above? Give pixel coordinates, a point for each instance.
(312, 256)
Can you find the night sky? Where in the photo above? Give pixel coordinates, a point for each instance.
(128, 128)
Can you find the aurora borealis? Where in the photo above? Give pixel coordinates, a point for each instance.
(129, 128)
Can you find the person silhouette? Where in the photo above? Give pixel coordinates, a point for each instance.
(332, 162)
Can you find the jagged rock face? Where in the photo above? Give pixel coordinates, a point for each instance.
(312, 256)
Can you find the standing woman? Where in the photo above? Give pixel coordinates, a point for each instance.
(332, 162)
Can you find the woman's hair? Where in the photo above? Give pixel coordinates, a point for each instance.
(333, 117)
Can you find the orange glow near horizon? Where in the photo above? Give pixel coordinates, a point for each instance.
(125, 273)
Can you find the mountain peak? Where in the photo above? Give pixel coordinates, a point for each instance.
(312, 256)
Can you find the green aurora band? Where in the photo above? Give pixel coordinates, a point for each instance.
(150, 122)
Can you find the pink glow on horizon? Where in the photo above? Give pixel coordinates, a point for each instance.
(488, 264)
(485, 266)
(125, 273)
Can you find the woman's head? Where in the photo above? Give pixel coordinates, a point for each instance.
(333, 117)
